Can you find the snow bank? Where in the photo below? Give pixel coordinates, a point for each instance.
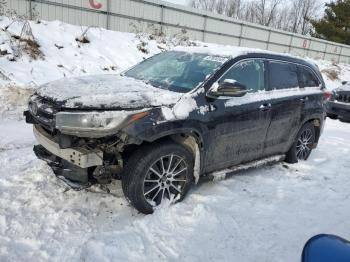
(64, 56)
(107, 53)
(333, 73)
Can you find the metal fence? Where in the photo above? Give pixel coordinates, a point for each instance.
(123, 15)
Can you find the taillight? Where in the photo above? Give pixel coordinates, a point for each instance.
(327, 95)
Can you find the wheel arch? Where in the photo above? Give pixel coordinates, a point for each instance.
(189, 138)
(317, 123)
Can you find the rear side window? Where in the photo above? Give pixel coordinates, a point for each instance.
(307, 78)
(283, 75)
(250, 73)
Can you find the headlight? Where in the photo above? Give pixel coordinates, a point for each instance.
(96, 124)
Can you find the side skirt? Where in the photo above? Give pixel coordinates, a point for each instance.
(225, 173)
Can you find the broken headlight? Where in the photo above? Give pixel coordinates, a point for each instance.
(95, 124)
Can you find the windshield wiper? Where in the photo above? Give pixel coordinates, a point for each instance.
(155, 84)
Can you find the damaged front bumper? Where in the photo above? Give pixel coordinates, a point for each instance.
(74, 166)
(75, 177)
(80, 157)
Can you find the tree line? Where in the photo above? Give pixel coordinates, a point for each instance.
(297, 16)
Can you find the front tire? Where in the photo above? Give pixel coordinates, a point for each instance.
(157, 172)
(302, 146)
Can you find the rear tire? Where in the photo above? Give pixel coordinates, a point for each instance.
(155, 172)
(302, 146)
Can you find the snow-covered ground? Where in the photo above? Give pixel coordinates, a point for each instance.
(265, 214)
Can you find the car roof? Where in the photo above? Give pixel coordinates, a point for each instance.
(237, 51)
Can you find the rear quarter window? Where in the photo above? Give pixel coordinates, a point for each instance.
(307, 77)
(283, 75)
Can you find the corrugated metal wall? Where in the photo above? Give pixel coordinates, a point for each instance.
(121, 15)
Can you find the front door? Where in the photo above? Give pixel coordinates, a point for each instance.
(238, 125)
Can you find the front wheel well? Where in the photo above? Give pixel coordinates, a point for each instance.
(191, 140)
(187, 139)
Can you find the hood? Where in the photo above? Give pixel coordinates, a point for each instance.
(343, 88)
(106, 91)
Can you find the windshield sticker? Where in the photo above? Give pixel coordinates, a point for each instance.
(215, 59)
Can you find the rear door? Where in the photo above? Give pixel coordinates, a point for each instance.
(237, 125)
(286, 106)
(312, 99)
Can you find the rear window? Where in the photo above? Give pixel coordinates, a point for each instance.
(307, 78)
(283, 75)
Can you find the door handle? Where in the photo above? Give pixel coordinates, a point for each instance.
(304, 99)
(265, 107)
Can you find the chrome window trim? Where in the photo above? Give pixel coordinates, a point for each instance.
(272, 60)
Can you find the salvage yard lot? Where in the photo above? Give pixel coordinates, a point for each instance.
(266, 214)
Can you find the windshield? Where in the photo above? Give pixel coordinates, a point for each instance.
(176, 71)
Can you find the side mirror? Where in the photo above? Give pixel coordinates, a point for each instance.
(344, 83)
(229, 87)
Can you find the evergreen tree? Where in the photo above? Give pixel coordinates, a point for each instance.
(335, 25)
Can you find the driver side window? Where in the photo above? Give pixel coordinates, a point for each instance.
(250, 73)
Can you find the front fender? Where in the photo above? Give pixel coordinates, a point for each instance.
(152, 132)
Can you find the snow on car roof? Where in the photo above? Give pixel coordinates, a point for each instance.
(235, 51)
(225, 50)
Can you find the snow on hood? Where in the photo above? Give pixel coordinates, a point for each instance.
(344, 88)
(106, 91)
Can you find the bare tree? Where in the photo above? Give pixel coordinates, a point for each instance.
(293, 15)
(267, 11)
(203, 4)
(282, 19)
(300, 14)
(221, 6)
(249, 13)
(3, 4)
(234, 8)
(310, 10)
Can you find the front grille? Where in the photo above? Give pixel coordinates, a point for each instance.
(344, 98)
(43, 111)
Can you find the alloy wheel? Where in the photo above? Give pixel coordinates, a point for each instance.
(304, 144)
(165, 178)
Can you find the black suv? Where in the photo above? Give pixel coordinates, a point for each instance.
(338, 106)
(176, 117)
